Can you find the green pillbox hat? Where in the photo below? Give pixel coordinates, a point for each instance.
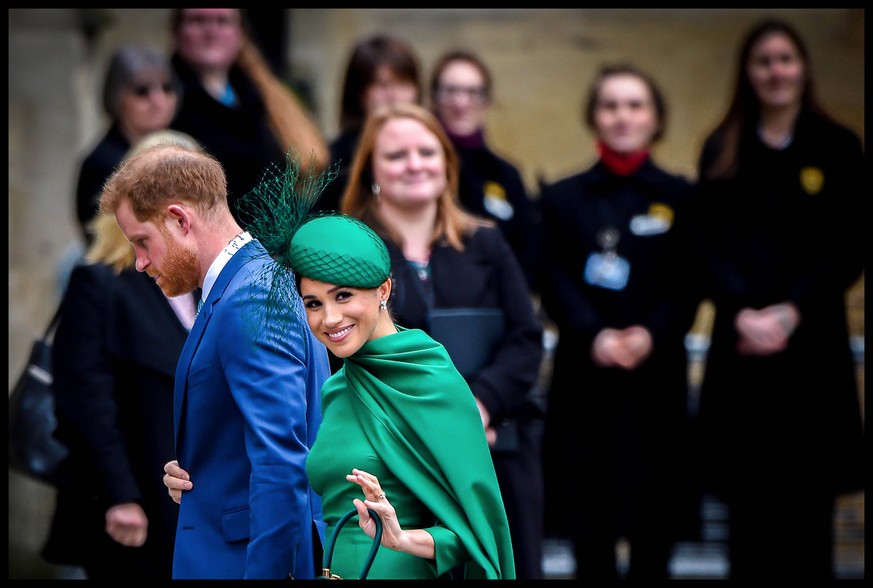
(341, 250)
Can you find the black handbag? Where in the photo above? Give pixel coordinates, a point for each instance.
(331, 543)
(33, 450)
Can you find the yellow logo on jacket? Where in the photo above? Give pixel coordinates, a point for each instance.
(662, 211)
(496, 202)
(812, 180)
(656, 221)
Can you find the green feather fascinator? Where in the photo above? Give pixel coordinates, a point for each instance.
(325, 246)
(275, 210)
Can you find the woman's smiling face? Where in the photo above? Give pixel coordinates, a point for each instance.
(342, 317)
(776, 71)
(625, 117)
(409, 164)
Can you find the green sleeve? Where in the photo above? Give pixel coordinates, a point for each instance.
(449, 551)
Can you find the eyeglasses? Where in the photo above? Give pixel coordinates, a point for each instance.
(145, 90)
(474, 93)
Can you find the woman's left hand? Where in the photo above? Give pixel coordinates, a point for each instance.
(416, 542)
(376, 499)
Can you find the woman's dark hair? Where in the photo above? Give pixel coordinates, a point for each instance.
(626, 70)
(366, 58)
(744, 108)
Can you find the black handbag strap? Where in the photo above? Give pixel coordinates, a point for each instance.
(53, 324)
(331, 543)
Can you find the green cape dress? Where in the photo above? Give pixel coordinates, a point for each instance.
(400, 410)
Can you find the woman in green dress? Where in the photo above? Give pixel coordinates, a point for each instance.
(400, 430)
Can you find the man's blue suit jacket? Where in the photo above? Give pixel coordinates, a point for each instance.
(247, 409)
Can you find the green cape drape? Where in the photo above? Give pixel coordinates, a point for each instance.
(427, 427)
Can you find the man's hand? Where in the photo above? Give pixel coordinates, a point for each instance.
(176, 480)
(127, 524)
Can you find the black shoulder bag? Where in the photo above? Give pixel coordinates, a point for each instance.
(33, 450)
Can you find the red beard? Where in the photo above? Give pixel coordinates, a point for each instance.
(180, 269)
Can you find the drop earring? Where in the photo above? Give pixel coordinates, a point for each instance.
(383, 305)
(376, 188)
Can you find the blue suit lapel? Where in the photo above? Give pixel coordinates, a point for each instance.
(249, 251)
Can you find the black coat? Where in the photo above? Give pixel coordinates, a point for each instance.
(484, 275)
(114, 359)
(788, 227)
(621, 430)
(492, 187)
(97, 166)
(342, 153)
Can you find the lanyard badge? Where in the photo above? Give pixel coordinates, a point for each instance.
(607, 269)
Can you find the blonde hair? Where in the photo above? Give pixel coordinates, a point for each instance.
(163, 137)
(110, 246)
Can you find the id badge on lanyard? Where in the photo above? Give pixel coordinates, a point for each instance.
(607, 269)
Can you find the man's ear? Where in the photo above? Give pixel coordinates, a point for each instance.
(180, 217)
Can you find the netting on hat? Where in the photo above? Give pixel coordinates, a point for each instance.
(281, 201)
(333, 268)
(277, 207)
(340, 249)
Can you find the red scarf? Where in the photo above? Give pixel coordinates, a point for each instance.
(620, 163)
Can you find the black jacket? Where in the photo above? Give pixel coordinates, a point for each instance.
(492, 187)
(114, 359)
(97, 166)
(484, 275)
(788, 227)
(625, 429)
(342, 153)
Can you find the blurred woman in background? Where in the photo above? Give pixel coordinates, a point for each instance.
(235, 106)
(781, 198)
(141, 94)
(617, 278)
(114, 360)
(382, 69)
(462, 93)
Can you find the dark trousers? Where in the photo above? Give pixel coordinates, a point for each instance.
(643, 525)
(519, 473)
(781, 534)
